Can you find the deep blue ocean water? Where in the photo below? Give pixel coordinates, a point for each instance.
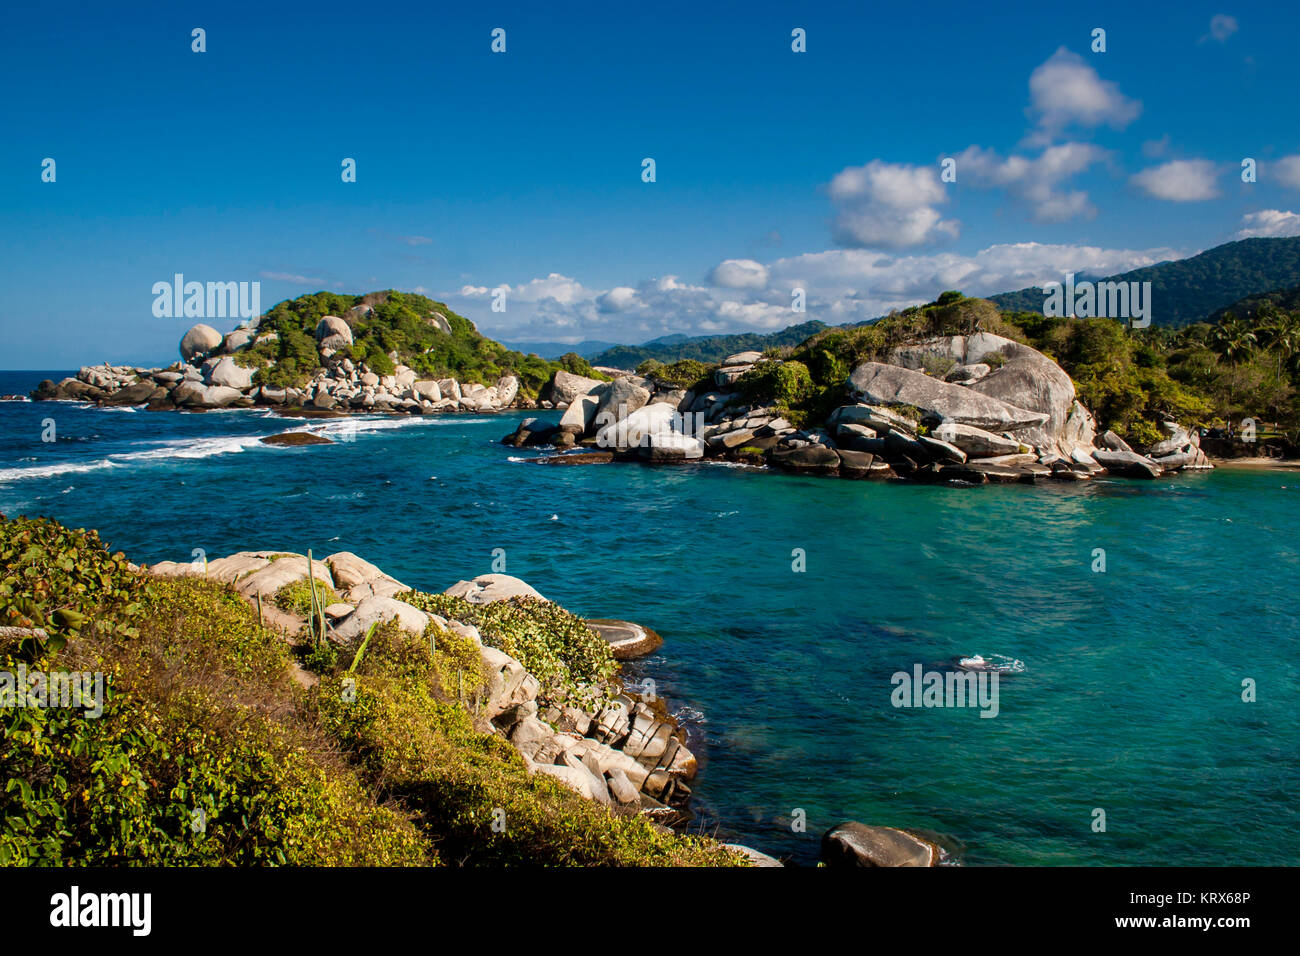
(1130, 700)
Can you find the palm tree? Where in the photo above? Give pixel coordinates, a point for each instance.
(1282, 333)
(1233, 338)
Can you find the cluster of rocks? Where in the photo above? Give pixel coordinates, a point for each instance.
(969, 409)
(209, 376)
(1181, 451)
(608, 744)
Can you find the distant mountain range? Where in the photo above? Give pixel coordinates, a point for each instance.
(553, 350)
(1191, 290)
(704, 348)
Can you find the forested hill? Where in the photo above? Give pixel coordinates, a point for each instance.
(1190, 290)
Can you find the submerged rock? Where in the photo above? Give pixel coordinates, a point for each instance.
(855, 844)
(296, 438)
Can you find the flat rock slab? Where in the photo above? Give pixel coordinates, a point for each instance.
(296, 438)
(626, 640)
(876, 384)
(578, 458)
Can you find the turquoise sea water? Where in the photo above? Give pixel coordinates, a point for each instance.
(1131, 697)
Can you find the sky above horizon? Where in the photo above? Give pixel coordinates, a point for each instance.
(775, 170)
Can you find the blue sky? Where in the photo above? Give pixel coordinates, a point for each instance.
(775, 170)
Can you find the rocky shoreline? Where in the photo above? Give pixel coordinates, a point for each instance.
(624, 751)
(1001, 412)
(956, 409)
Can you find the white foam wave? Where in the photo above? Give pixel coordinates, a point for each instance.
(182, 449)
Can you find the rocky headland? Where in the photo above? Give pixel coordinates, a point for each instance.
(209, 376)
(970, 409)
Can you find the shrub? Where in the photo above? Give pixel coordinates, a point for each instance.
(54, 579)
(685, 373)
(296, 596)
(197, 758)
(556, 646)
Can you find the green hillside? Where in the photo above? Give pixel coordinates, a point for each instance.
(1283, 300)
(1189, 290)
(386, 323)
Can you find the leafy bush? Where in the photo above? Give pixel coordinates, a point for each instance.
(556, 646)
(55, 579)
(575, 364)
(686, 373)
(785, 384)
(197, 757)
(937, 366)
(296, 596)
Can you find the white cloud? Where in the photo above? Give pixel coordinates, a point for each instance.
(1222, 26)
(1065, 91)
(890, 205)
(1036, 180)
(618, 299)
(739, 274)
(841, 285)
(1286, 170)
(1179, 180)
(1268, 223)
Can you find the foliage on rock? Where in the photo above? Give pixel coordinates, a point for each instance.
(556, 646)
(296, 596)
(399, 322)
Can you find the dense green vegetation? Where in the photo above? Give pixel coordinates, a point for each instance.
(296, 596)
(704, 348)
(684, 373)
(1187, 290)
(554, 645)
(400, 323)
(208, 752)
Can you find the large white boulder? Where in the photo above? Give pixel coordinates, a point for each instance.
(377, 609)
(507, 388)
(975, 442)
(199, 340)
(565, 386)
(285, 569)
(226, 372)
(333, 333)
(635, 430)
(508, 683)
(579, 417)
(357, 579)
(487, 588)
(875, 383)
